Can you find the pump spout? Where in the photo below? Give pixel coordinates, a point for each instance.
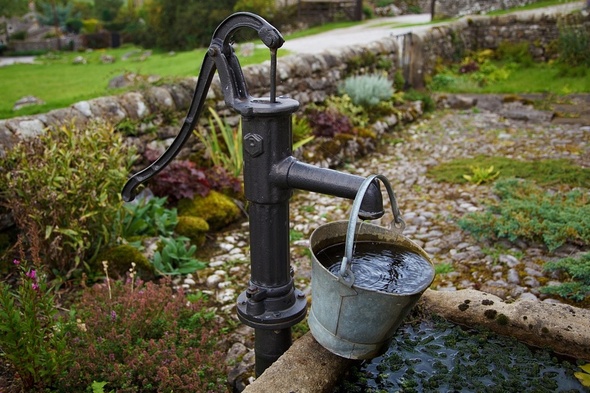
(294, 174)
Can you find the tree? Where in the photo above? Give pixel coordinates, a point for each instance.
(52, 14)
(10, 8)
(432, 9)
(107, 10)
(182, 25)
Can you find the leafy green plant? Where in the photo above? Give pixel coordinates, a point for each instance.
(343, 104)
(32, 338)
(578, 272)
(428, 103)
(573, 43)
(63, 189)
(302, 132)
(443, 268)
(175, 258)
(584, 375)
(227, 151)
(367, 90)
(517, 53)
(147, 217)
(526, 211)
(481, 175)
(144, 337)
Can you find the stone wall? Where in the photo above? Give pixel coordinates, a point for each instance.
(451, 42)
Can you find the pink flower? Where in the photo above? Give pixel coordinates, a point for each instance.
(16, 262)
(35, 286)
(32, 274)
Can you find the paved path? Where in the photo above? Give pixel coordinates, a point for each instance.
(375, 29)
(4, 61)
(370, 31)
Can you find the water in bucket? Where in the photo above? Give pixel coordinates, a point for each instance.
(381, 266)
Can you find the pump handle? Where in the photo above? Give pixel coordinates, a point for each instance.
(220, 56)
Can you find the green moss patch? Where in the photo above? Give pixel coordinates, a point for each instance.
(542, 172)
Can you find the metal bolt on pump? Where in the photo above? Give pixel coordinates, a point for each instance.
(271, 304)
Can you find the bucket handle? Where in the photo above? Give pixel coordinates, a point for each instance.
(346, 275)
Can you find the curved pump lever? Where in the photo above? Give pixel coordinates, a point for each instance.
(220, 56)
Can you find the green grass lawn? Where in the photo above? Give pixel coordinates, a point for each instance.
(60, 83)
(537, 78)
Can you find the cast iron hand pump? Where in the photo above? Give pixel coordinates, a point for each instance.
(271, 304)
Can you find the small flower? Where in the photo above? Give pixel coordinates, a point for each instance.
(16, 262)
(113, 315)
(35, 286)
(32, 274)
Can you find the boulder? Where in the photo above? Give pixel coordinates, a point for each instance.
(27, 101)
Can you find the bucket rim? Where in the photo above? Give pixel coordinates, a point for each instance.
(340, 239)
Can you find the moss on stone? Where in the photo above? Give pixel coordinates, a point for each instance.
(502, 319)
(217, 209)
(194, 228)
(119, 260)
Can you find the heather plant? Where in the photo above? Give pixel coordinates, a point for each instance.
(144, 337)
(367, 90)
(526, 211)
(576, 272)
(33, 341)
(63, 189)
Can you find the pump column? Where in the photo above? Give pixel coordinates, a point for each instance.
(271, 304)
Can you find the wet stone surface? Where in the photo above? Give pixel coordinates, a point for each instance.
(430, 210)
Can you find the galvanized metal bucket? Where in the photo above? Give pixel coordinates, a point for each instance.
(351, 321)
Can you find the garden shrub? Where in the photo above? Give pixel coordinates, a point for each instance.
(145, 338)
(573, 44)
(517, 53)
(328, 122)
(180, 179)
(63, 189)
(526, 211)
(577, 271)
(367, 90)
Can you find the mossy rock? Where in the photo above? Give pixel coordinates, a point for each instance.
(192, 227)
(217, 209)
(119, 260)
